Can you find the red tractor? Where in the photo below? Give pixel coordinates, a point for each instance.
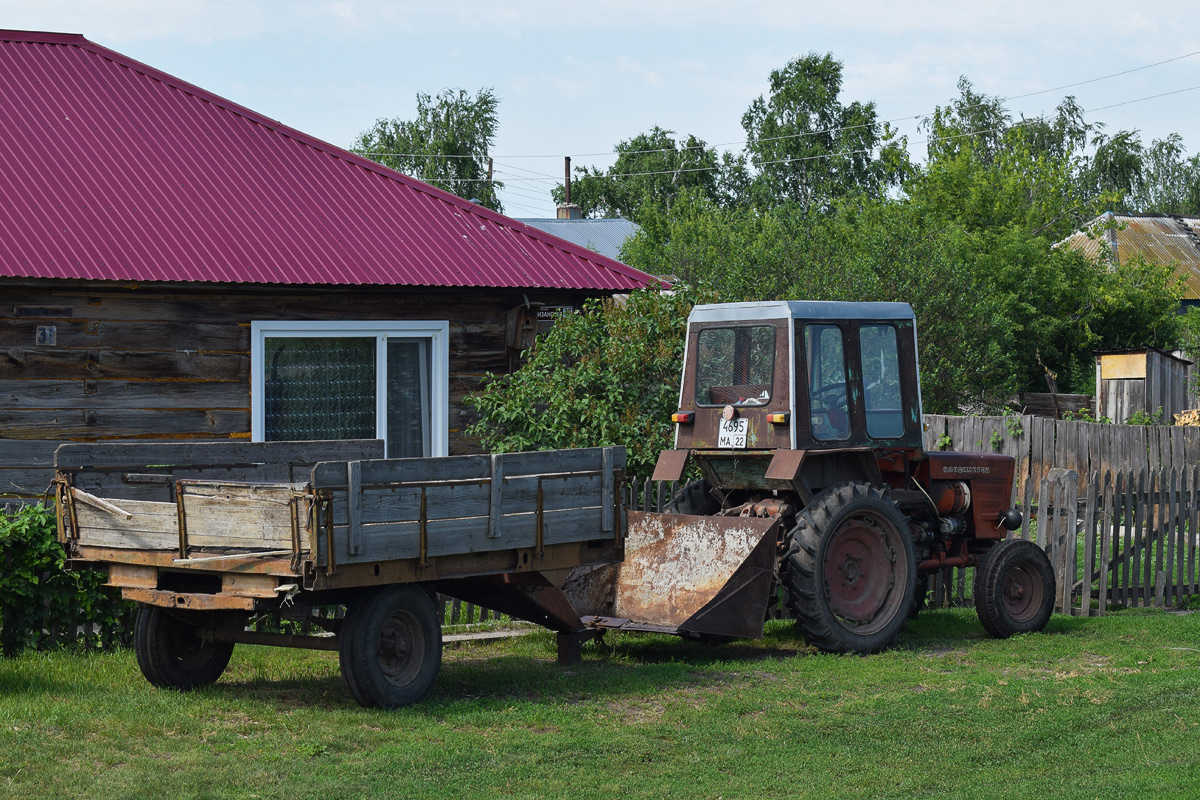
(804, 419)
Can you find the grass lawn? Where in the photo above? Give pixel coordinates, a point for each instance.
(1102, 707)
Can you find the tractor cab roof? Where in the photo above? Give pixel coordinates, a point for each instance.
(799, 309)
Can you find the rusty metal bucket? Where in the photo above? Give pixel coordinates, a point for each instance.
(683, 574)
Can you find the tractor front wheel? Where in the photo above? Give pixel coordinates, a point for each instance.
(1014, 588)
(850, 570)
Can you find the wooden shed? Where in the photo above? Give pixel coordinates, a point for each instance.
(175, 266)
(1144, 379)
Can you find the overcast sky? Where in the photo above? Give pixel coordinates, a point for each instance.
(574, 78)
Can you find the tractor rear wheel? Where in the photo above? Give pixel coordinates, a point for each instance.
(172, 653)
(1014, 588)
(850, 570)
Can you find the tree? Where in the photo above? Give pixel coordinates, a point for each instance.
(608, 375)
(973, 123)
(808, 148)
(446, 145)
(651, 170)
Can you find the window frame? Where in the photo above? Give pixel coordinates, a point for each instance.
(899, 379)
(771, 379)
(436, 331)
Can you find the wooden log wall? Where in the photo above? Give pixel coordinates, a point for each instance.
(87, 361)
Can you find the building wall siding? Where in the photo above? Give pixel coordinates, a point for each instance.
(158, 361)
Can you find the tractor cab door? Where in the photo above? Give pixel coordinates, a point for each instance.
(856, 384)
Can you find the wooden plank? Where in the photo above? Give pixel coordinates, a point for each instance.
(136, 455)
(96, 394)
(495, 511)
(609, 461)
(63, 364)
(1026, 509)
(1089, 543)
(1171, 527)
(353, 506)
(117, 334)
(1193, 528)
(549, 461)
(254, 516)
(1044, 539)
(32, 482)
(1108, 512)
(400, 540)
(1149, 534)
(1120, 526)
(154, 526)
(377, 472)
(1161, 520)
(1179, 539)
(122, 422)
(16, 453)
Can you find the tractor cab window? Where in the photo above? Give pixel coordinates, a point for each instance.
(881, 381)
(827, 402)
(735, 366)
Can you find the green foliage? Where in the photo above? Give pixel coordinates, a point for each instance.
(944, 442)
(446, 145)
(1085, 415)
(996, 441)
(651, 170)
(1141, 417)
(37, 595)
(1012, 423)
(808, 148)
(608, 375)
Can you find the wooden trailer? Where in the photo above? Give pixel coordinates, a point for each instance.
(206, 536)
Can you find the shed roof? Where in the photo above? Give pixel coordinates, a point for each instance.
(1159, 238)
(605, 236)
(113, 170)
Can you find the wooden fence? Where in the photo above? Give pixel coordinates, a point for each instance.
(1041, 444)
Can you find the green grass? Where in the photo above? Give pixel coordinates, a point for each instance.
(1100, 707)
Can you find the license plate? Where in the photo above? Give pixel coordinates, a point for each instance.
(732, 433)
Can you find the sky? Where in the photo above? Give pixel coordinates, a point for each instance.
(574, 79)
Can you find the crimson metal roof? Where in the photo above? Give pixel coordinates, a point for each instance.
(112, 170)
(1161, 239)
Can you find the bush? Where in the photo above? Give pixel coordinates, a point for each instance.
(41, 604)
(608, 375)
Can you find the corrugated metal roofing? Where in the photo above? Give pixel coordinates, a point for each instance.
(1158, 238)
(112, 170)
(605, 236)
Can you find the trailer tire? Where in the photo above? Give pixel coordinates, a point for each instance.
(850, 570)
(1014, 588)
(694, 498)
(171, 653)
(391, 647)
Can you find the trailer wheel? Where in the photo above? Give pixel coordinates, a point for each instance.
(171, 652)
(391, 647)
(850, 570)
(694, 498)
(1014, 588)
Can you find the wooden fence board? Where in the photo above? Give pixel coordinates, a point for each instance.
(1089, 545)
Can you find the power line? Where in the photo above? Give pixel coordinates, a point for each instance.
(836, 129)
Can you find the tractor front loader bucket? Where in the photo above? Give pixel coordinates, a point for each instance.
(684, 574)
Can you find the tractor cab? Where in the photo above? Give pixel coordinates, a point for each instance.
(799, 375)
